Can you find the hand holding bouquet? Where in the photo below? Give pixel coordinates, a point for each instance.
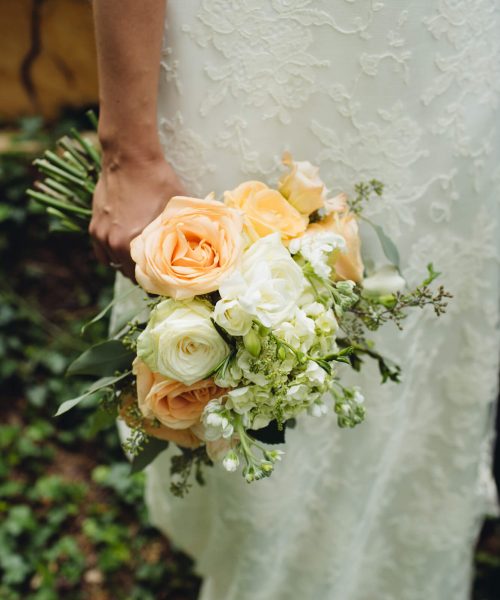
(255, 302)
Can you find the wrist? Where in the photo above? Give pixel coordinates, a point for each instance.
(129, 141)
(121, 150)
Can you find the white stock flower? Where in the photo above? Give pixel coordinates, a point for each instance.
(317, 248)
(268, 283)
(217, 421)
(326, 323)
(317, 409)
(314, 373)
(384, 282)
(297, 331)
(229, 314)
(180, 341)
(241, 399)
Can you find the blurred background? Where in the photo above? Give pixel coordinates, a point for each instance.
(72, 520)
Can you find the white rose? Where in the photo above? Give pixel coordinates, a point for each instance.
(268, 283)
(180, 341)
(230, 315)
(384, 282)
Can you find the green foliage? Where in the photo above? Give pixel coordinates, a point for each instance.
(73, 523)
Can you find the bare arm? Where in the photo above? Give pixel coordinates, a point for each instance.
(136, 181)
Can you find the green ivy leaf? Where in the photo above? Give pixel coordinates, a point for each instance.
(103, 359)
(151, 450)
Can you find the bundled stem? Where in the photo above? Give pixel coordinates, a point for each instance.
(68, 180)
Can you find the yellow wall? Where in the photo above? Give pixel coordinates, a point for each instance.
(63, 69)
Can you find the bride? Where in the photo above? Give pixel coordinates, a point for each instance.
(406, 92)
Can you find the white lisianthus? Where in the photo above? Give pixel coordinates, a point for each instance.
(384, 282)
(229, 314)
(268, 283)
(181, 342)
(317, 248)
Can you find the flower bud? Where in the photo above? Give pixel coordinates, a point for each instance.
(252, 343)
(231, 461)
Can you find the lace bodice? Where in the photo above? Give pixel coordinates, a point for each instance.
(406, 92)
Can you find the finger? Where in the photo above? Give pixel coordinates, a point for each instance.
(100, 252)
(127, 264)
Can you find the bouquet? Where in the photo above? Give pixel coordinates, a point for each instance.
(254, 304)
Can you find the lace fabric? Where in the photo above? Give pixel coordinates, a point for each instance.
(406, 92)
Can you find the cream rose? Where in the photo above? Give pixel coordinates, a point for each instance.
(266, 211)
(181, 342)
(174, 404)
(268, 283)
(347, 265)
(302, 186)
(189, 248)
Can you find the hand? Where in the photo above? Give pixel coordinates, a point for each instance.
(130, 193)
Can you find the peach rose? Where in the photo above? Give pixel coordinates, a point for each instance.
(174, 404)
(348, 265)
(266, 211)
(189, 248)
(302, 186)
(181, 437)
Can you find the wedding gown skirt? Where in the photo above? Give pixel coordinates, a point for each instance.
(406, 92)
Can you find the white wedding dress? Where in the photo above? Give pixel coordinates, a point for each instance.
(407, 92)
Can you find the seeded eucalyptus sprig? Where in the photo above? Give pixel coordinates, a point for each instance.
(68, 180)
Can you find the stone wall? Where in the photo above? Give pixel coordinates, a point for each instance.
(47, 57)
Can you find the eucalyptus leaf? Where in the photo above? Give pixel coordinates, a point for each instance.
(97, 386)
(103, 359)
(388, 246)
(107, 308)
(151, 450)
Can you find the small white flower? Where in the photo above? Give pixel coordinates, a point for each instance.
(358, 396)
(217, 422)
(315, 374)
(231, 461)
(317, 409)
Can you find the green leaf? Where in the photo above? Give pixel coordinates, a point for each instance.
(148, 454)
(432, 274)
(97, 386)
(103, 359)
(388, 246)
(107, 308)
